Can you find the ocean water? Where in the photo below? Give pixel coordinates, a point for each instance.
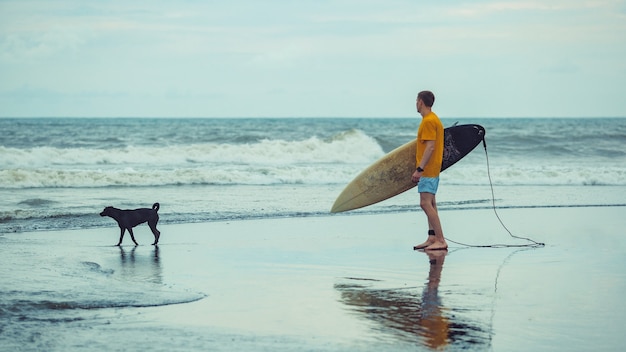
(58, 173)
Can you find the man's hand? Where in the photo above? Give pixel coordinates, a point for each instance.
(416, 176)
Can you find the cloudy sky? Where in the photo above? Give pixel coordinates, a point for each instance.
(327, 58)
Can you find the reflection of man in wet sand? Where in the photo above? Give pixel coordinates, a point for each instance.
(403, 312)
(435, 327)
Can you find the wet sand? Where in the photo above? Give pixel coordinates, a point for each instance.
(346, 282)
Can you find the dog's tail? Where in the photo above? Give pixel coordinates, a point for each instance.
(156, 206)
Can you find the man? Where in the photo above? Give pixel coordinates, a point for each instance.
(428, 166)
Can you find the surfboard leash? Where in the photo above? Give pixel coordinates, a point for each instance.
(532, 244)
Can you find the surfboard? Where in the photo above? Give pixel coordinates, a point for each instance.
(391, 174)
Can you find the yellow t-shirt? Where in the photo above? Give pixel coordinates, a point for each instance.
(430, 129)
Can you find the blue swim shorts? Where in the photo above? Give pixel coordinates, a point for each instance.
(428, 185)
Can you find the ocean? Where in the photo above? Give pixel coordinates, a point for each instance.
(59, 173)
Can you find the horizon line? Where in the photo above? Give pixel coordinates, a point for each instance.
(307, 117)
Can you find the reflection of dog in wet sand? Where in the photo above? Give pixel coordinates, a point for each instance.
(127, 219)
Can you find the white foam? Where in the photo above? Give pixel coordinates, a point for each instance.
(350, 147)
(222, 175)
(540, 175)
(334, 160)
(312, 160)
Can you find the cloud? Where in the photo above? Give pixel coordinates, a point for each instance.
(354, 58)
(39, 45)
(491, 8)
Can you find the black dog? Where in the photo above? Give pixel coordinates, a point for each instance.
(127, 219)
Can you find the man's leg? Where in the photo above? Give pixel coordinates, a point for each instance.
(431, 235)
(429, 205)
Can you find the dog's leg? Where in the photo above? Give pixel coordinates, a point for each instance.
(132, 236)
(122, 230)
(155, 232)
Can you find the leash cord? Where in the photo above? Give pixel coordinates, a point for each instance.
(533, 244)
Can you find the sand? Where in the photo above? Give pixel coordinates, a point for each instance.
(342, 282)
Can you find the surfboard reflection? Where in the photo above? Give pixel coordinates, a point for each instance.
(412, 316)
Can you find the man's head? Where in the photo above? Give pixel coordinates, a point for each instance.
(425, 101)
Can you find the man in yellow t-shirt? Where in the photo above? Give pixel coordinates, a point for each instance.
(429, 156)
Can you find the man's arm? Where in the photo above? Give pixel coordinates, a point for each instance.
(428, 152)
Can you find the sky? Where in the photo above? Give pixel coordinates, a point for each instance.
(325, 58)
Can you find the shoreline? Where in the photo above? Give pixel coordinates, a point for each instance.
(401, 209)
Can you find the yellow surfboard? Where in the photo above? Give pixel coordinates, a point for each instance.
(391, 174)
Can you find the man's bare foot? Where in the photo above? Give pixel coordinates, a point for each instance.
(437, 246)
(428, 242)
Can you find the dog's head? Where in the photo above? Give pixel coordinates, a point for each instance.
(106, 211)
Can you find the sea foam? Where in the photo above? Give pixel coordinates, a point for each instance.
(312, 160)
(352, 146)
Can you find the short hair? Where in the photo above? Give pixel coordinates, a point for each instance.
(427, 97)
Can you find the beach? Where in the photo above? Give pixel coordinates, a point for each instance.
(322, 283)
